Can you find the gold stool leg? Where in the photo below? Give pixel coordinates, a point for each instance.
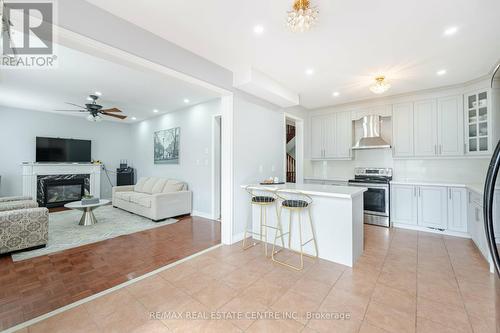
(313, 231)
(278, 233)
(252, 232)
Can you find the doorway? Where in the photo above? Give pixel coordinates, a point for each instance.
(291, 154)
(294, 149)
(216, 166)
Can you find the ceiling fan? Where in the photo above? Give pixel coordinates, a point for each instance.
(95, 110)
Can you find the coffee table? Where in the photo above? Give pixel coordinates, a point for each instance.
(88, 217)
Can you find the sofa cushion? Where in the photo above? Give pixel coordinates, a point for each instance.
(140, 184)
(148, 185)
(125, 195)
(158, 187)
(173, 186)
(142, 199)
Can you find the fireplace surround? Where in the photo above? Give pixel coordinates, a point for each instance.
(35, 174)
(58, 192)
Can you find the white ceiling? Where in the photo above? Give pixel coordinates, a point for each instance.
(136, 92)
(353, 42)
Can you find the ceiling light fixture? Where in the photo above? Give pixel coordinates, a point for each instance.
(450, 31)
(302, 17)
(155, 111)
(133, 118)
(98, 93)
(93, 118)
(258, 29)
(380, 86)
(336, 94)
(441, 72)
(186, 100)
(310, 71)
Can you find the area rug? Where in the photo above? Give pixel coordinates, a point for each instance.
(65, 233)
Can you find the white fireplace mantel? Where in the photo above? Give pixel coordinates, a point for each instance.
(32, 170)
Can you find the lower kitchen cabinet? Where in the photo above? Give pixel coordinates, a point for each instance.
(437, 207)
(475, 223)
(457, 209)
(404, 204)
(432, 207)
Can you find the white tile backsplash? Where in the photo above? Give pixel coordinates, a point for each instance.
(466, 170)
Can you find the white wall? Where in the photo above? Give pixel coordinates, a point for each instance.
(259, 150)
(195, 164)
(19, 128)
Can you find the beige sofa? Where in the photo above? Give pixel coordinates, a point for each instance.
(154, 198)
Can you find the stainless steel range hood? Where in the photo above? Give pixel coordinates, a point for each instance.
(371, 138)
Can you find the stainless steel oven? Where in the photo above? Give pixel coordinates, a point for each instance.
(376, 201)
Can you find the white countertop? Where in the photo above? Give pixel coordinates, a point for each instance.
(476, 187)
(345, 192)
(330, 179)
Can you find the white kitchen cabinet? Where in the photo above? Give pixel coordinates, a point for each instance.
(433, 207)
(402, 130)
(475, 223)
(457, 209)
(344, 134)
(317, 141)
(404, 204)
(478, 123)
(450, 126)
(425, 128)
(331, 136)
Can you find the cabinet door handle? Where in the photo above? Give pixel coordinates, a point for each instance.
(414, 191)
(449, 193)
(477, 214)
(440, 149)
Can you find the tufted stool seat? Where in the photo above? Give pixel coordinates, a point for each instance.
(295, 203)
(263, 199)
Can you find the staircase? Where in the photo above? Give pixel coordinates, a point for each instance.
(290, 154)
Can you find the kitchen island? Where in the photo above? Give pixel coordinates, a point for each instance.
(337, 217)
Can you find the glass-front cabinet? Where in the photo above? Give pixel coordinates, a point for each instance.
(477, 122)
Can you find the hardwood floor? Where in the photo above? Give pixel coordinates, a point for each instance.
(37, 286)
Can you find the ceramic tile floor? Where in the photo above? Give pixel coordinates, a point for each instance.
(406, 281)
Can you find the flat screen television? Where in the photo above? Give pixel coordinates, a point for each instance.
(63, 150)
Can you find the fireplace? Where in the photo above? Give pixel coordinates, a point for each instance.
(58, 192)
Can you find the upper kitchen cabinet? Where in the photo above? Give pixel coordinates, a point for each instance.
(478, 123)
(450, 126)
(402, 130)
(425, 128)
(429, 128)
(331, 136)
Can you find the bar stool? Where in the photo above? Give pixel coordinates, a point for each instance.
(264, 201)
(298, 204)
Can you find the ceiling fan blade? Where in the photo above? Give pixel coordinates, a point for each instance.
(112, 110)
(80, 106)
(113, 115)
(71, 110)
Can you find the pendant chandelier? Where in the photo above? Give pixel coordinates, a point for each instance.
(302, 17)
(380, 86)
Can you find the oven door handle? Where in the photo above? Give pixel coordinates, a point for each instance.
(386, 186)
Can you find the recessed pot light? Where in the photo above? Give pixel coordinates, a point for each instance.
(133, 118)
(441, 72)
(450, 31)
(258, 29)
(310, 71)
(336, 94)
(155, 111)
(186, 100)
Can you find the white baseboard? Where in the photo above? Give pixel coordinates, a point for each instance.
(202, 214)
(238, 237)
(425, 229)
